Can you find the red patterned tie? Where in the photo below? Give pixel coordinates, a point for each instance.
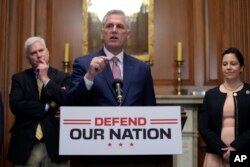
(116, 69)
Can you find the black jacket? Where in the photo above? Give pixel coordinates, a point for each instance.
(210, 120)
(29, 111)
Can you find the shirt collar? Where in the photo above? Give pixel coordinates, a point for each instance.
(110, 55)
(36, 74)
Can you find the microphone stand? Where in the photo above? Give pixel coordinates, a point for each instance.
(119, 100)
(117, 85)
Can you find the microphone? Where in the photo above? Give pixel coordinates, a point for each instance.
(117, 85)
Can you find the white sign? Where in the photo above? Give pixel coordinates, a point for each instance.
(120, 130)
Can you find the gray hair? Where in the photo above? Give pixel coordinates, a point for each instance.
(117, 12)
(32, 40)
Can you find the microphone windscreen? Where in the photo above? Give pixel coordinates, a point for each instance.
(117, 81)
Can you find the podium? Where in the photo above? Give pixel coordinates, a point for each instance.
(124, 160)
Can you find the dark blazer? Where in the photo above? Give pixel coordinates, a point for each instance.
(210, 120)
(29, 111)
(137, 84)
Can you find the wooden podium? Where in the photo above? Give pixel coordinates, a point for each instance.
(126, 161)
(122, 161)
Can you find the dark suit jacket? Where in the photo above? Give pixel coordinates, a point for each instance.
(137, 84)
(211, 116)
(29, 111)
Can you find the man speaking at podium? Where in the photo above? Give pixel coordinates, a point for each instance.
(111, 77)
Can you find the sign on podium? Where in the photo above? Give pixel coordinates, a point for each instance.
(120, 130)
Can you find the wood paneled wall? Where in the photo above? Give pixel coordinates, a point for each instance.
(205, 27)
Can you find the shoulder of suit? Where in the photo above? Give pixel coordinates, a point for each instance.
(89, 57)
(247, 85)
(214, 91)
(25, 72)
(133, 59)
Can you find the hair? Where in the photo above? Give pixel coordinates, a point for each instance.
(116, 12)
(32, 40)
(237, 53)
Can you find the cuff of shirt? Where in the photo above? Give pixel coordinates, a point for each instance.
(46, 83)
(88, 83)
(46, 107)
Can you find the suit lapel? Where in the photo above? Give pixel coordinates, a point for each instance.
(127, 74)
(31, 79)
(107, 75)
(51, 75)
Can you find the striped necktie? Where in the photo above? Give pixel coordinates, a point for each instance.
(116, 69)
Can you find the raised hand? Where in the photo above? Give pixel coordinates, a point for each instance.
(97, 65)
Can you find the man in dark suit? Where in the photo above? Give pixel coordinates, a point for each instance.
(35, 133)
(92, 78)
